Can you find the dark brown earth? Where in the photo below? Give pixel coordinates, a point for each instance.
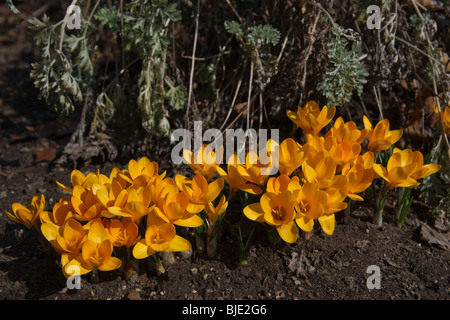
(322, 267)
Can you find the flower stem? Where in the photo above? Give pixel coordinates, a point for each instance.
(377, 218)
(403, 205)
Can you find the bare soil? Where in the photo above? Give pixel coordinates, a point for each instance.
(322, 267)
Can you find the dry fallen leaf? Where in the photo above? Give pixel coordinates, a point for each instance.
(433, 237)
(47, 154)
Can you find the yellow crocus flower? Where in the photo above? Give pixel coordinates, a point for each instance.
(66, 239)
(310, 205)
(62, 210)
(158, 238)
(29, 217)
(110, 195)
(310, 118)
(199, 191)
(404, 168)
(360, 175)
(253, 170)
(234, 178)
(122, 232)
(276, 210)
(380, 138)
(85, 204)
(343, 141)
(174, 207)
(282, 183)
(138, 204)
(204, 162)
(95, 252)
(291, 155)
(79, 179)
(142, 173)
(321, 169)
(214, 212)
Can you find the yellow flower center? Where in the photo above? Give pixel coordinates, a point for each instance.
(96, 260)
(72, 244)
(278, 213)
(303, 206)
(157, 239)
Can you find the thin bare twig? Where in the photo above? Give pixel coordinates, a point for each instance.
(64, 24)
(234, 11)
(249, 94)
(417, 49)
(232, 104)
(377, 93)
(191, 78)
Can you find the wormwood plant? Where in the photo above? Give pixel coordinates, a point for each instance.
(346, 72)
(76, 70)
(256, 42)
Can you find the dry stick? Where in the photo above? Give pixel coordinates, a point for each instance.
(191, 78)
(378, 100)
(64, 24)
(122, 38)
(249, 95)
(283, 45)
(417, 49)
(307, 54)
(234, 11)
(232, 104)
(261, 110)
(365, 109)
(237, 118)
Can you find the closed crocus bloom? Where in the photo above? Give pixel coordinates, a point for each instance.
(276, 210)
(310, 118)
(321, 170)
(137, 204)
(311, 203)
(29, 217)
(291, 156)
(142, 173)
(214, 212)
(62, 211)
(343, 141)
(175, 208)
(360, 175)
(85, 204)
(282, 183)
(380, 138)
(79, 179)
(404, 168)
(234, 178)
(204, 162)
(254, 170)
(158, 238)
(122, 232)
(110, 195)
(199, 191)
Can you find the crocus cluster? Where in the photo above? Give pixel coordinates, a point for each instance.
(140, 211)
(137, 208)
(318, 178)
